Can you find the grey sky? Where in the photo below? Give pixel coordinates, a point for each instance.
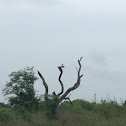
(47, 33)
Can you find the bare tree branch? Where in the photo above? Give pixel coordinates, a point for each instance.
(68, 99)
(76, 85)
(61, 72)
(44, 83)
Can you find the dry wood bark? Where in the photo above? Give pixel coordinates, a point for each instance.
(75, 86)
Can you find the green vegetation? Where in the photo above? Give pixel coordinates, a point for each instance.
(20, 89)
(80, 113)
(24, 108)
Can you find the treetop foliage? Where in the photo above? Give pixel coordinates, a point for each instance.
(20, 88)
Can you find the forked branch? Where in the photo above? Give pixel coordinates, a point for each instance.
(76, 85)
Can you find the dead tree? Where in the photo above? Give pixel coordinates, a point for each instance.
(63, 95)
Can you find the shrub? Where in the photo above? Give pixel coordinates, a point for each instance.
(108, 109)
(5, 114)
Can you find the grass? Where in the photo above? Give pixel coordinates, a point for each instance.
(81, 113)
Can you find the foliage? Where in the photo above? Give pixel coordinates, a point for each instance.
(84, 104)
(109, 109)
(51, 112)
(50, 104)
(5, 114)
(20, 88)
(69, 115)
(23, 113)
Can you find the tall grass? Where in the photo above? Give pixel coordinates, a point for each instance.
(81, 113)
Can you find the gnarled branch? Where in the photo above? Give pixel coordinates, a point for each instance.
(44, 83)
(76, 85)
(61, 72)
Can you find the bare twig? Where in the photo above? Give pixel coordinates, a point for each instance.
(68, 99)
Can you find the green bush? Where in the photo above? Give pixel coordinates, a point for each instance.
(51, 104)
(108, 109)
(84, 104)
(80, 113)
(23, 113)
(5, 114)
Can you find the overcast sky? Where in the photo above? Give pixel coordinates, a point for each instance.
(47, 33)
